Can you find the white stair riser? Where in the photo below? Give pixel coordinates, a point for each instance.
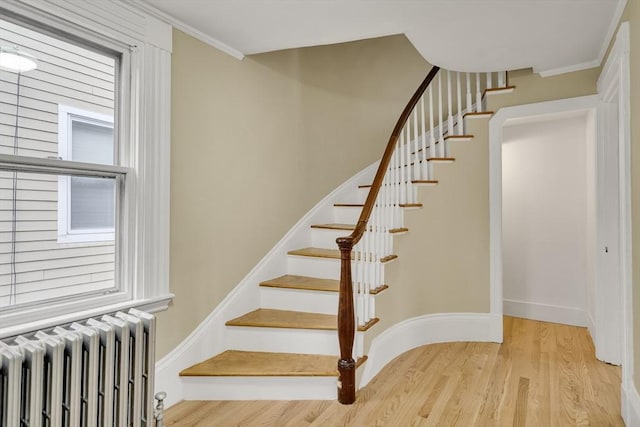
(324, 238)
(260, 388)
(299, 300)
(346, 215)
(282, 340)
(323, 268)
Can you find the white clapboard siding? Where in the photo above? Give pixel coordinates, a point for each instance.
(69, 75)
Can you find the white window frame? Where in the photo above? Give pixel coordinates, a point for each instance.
(66, 116)
(143, 126)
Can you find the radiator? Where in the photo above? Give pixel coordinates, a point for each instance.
(96, 372)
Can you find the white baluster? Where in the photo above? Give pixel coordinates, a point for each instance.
(449, 105)
(489, 81)
(460, 123)
(407, 183)
(478, 94)
(502, 78)
(441, 117)
(432, 131)
(469, 97)
(416, 146)
(423, 157)
(403, 194)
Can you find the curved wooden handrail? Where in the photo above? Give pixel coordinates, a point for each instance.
(346, 317)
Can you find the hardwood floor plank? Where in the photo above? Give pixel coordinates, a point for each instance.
(543, 374)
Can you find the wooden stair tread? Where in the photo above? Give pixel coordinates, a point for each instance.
(272, 318)
(235, 363)
(329, 253)
(441, 159)
(402, 205)
(303, 283)
(349, 227)
(458, 137)
(478, 114)
(311, 284)
(425, 182)
(498, 90)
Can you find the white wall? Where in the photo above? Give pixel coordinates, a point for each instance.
(544, 185)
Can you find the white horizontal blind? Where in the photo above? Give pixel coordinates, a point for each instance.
(34, 264)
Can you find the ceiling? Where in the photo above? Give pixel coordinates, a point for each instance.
(552, 36)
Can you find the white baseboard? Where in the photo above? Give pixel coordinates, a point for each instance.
(210, 337)
(630, 406)
(429, 329)
(546, 312)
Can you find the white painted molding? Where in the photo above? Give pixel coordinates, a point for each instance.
(613, 25)
(569, 68)
(429, 329)
(208, 338)
(495, 179)
(546, 312)
(182, 26)
(630, 405)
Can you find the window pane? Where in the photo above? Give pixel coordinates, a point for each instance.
(91, 143)
(35, 118)
(34, 265)
(92, 203)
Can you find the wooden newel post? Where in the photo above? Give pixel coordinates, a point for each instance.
(346, 326)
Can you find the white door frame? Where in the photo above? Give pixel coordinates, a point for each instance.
(613, 83)
(614, 78)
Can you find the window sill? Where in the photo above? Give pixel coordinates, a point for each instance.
(150, 305)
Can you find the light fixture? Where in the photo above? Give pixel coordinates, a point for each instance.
(13, 59)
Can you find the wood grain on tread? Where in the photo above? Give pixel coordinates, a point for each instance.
(498, 90)
(441, 159)
(349, 227)
(303, 283)
(311, 284)
(255, 363)
(271, 318)
(235, 363)
(329, 253)
(425, 182)
(458, 137)
(478, 114)
(544, 374)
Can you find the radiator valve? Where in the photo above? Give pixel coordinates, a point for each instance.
(159, 412)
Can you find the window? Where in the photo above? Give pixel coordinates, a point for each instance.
(86, 206)
(84, 161)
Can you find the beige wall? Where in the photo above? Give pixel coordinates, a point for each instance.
(256, 143)
(443, 263)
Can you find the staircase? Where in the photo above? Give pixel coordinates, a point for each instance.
(289, 346)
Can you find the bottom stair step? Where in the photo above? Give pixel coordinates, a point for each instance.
(255, 375)
(233, 363)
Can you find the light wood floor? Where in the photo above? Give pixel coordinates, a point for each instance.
(544, 374)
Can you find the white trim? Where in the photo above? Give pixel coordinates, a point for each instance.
(569, 68)
(630, 400)
(495, 179)
(150, 305)
(546, 312)
(615, 77)
(186, 28)
(143, 120)
(613, 24)
(428, 329)
(208, 338)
